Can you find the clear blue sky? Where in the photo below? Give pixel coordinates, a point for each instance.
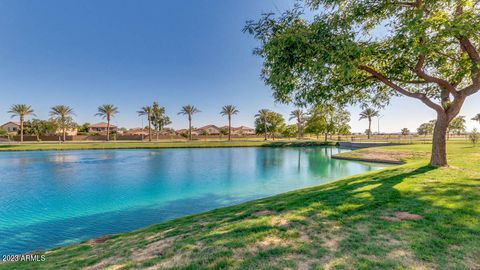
(130, 53)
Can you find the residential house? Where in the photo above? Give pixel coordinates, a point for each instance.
(101, 128)
(195, 132)
(209, 129)
(243, 130)
(137, 132)
(11, 128)
(68, 132)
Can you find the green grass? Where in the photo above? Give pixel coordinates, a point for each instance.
(152, 145)
(333, 226)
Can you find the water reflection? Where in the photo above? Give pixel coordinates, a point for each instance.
(68, 196)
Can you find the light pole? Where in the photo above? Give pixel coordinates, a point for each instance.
(378, 125)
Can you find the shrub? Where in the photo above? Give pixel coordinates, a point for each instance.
(474, 136)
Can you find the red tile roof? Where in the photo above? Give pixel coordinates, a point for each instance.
(101, 125)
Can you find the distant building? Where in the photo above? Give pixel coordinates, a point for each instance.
(101, 128)
(11, 128)
(137, 132)
(68, 132)
(243, 130)
(195, 132)
(209, 129)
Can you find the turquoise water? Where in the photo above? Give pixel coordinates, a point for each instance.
(50, 199)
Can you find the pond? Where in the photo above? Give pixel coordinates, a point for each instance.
(56, 198)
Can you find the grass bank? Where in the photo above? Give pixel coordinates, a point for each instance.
(410, 216)
(153, 145)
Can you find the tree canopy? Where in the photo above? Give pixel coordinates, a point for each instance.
(458, 125)
(328, 119)
(426, 128)
(426, 50)
(354, 52)
(268, 122)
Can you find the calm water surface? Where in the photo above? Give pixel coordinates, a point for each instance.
(50, 199)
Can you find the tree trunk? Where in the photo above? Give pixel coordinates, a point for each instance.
(108, 130)
(229, 128)
(326, 136)
(21, 129)
(149, 131)
(265, 126)
(300, 131)
(439, 143)
(369, 127)
(189, 128)
(64, 134)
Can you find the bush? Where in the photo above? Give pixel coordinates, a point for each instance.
(474, 136)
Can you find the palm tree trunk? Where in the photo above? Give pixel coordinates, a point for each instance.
(21, 129)
(149, 130)
(229, 128)
(265, 127)
(108, 130)
(190, 128)
(64, 133)
(300, 131)
(369, 127)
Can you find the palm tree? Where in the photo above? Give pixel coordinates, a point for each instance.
(107, 111)
(63, 115)
(147, 110)
(369, 113)
(21, 110)
(476, 118)
(229, 110)
(299, 115)
(263, 115)
(189, 110)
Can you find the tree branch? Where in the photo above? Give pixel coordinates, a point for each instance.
(440, 82)
(422, 97)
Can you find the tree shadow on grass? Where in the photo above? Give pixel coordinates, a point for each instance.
(357, 205)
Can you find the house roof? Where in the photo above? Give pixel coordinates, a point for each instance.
(209, 126)
(244, 127)
(101, 125)
(11, 122)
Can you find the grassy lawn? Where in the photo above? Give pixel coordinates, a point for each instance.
(151, 145)
(354, 223)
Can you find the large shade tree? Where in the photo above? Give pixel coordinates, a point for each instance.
(189, 111)
(328, 119)
(107, 111)
(21, 111)
(62, 115)
(426, 128)
(368, 114)
(457, 126)
(39, 127)
(229, 110)
(269, 122)
(428, 50)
